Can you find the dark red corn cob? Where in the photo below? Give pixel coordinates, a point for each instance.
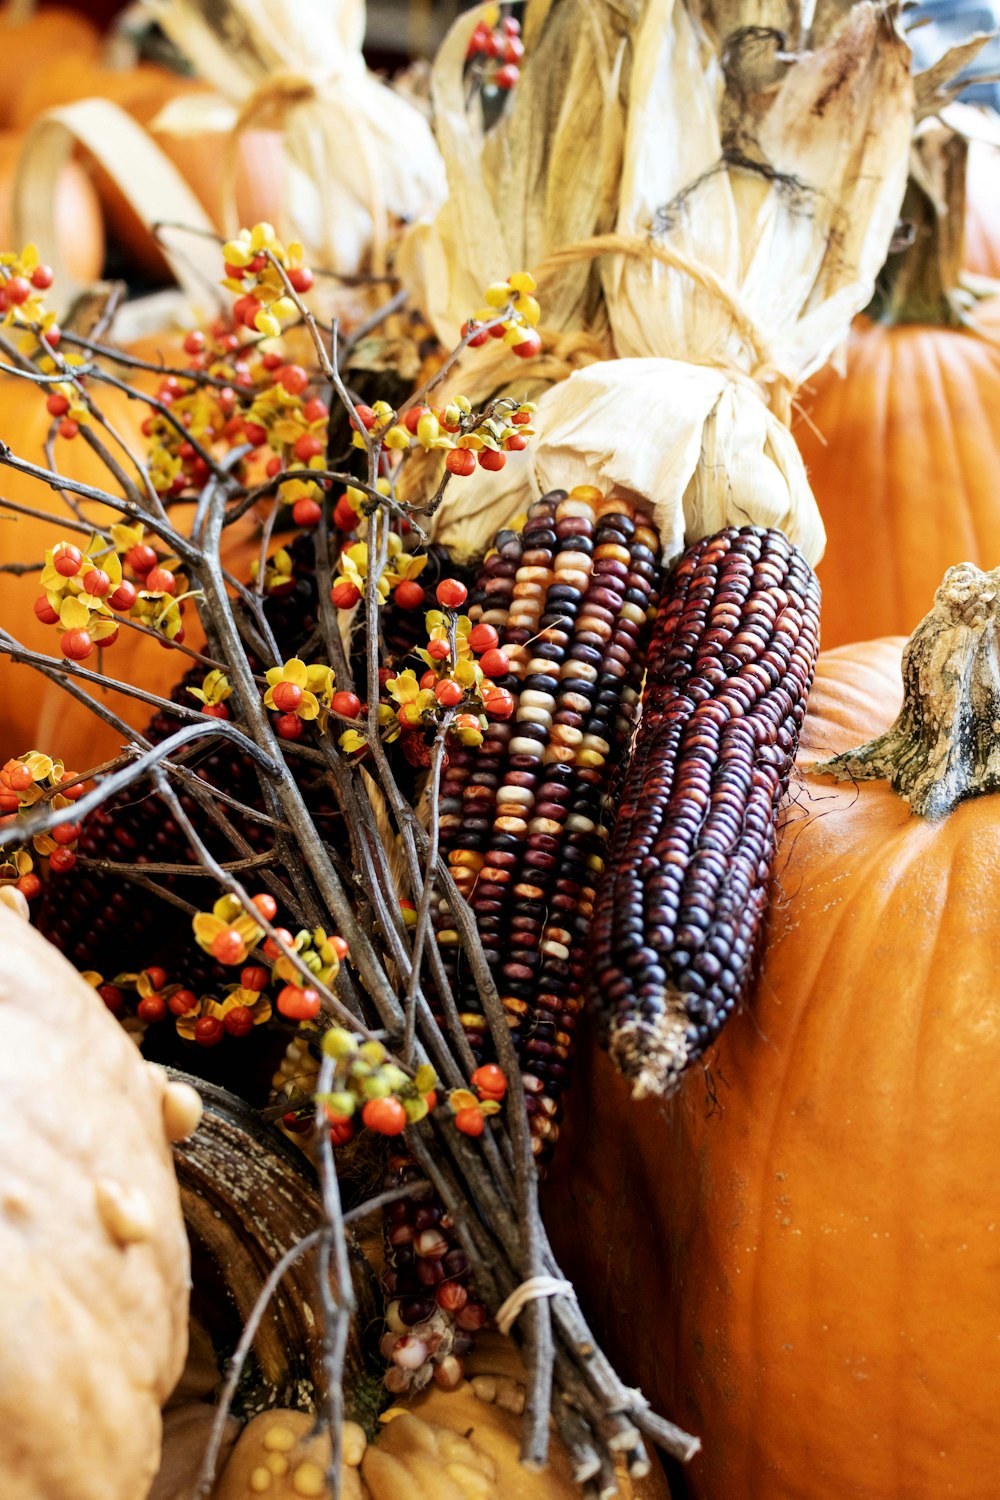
(680, 909)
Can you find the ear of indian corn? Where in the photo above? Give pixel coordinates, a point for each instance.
(571, 600)
(680, 909)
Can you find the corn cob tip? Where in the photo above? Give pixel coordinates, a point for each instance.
(653, 1054)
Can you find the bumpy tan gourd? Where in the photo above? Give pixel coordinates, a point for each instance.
(94, 1294)
(442, 1446)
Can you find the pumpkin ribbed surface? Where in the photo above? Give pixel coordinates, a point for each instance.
(903, 462)
(799, 1260)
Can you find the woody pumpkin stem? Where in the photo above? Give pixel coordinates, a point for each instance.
(945, 745)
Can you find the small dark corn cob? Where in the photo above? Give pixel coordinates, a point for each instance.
(679, 912)
(572, 615)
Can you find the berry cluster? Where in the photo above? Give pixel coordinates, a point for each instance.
(255, 260)
(513, 303)
(23, 282)
(495, 49)
(204, 1019)
(463, 680)
(86, 593)
(24, 782)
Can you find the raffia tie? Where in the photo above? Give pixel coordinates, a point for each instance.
(766, 373)
(269, 106)
(529, 1291)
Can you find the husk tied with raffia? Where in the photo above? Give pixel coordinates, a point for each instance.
(360, 158)
(545, 174)
(762, 174)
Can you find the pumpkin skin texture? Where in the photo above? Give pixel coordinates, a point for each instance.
(32, 46)
(902, 454)
(799, 1260)
(94, 1297)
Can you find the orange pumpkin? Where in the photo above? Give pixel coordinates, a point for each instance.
(79, 225)
(142, 92)
(796, 1258)
(903, 450)
(31, 47)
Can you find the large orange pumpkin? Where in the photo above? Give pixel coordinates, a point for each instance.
(143, 91)
(903, 451)
(797, 1258)
(31, 46)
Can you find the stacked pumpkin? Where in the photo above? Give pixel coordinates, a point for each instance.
(903, 450)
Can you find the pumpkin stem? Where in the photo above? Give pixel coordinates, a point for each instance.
(921, 281)
(945, 745)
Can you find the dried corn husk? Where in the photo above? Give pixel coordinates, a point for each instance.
(359, 156)
(546, 174)
(760, 190)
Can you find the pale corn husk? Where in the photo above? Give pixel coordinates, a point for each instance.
(545, 175)
(360, 157)
(779, 175)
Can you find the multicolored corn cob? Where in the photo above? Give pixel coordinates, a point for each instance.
(679, 911)
(571, 601)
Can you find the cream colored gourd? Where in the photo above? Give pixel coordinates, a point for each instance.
(94, 1296)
